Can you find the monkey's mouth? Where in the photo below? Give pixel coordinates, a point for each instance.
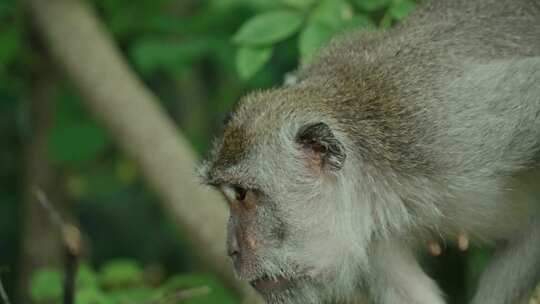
(266, 284)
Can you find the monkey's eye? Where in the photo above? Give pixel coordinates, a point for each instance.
(240, 193)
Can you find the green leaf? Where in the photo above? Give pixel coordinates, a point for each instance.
(46, 284)
(268, 28)
(386, 21)
(250, 60)
(86, 277)
(333, 13)
(135, 295)
(10, 46)
(69, 109)
(76, 142)
(76, 186)
(92, 296)
(401, 8)
(125, 170)
(97, 183)
(359, 21)
(372, 5)
(121, 272)
(206, 289)
(312, 38)
(75, 137)
(150, 55)
(258, 5)
(300, 4)
(7, 8)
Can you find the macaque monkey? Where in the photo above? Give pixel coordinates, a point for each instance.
(387, 141)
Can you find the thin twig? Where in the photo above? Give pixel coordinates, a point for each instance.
(51, 211)
(3, 294)
(72, 244)
(71, 239)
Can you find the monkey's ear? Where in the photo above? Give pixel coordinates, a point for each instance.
(321, 146)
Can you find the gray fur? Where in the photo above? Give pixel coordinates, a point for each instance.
(439, 120)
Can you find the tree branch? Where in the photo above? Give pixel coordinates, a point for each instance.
(71, 241)
(132, 115)
(3, 294)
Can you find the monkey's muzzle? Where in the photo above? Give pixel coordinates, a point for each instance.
(265, 284)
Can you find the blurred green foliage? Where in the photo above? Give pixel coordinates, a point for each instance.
(314, 22)
(74, 128)
(199, 57)
(123, 281)
(46, 284)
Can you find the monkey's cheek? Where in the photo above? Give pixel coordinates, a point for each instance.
(315, 273)
(276, 286)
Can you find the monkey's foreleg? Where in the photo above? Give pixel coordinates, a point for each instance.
(514, 270)
(397, 277)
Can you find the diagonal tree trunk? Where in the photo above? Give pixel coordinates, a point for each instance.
(132, 115)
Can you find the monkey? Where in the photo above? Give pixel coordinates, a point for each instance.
(387, 140)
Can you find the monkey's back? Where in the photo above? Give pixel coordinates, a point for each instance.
(484, 61)
(453, 94)
(481, 29)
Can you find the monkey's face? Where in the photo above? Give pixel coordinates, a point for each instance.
(296, 231)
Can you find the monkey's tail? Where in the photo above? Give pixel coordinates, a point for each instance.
(514, 270)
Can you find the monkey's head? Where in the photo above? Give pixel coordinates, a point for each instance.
(298, 230)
